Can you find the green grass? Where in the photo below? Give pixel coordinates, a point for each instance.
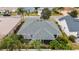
(32, 14)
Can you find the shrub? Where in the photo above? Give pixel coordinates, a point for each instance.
(54, 44)
(56, 10)
(11, 43)
(62, 39)
(73, 13)
(43, 46)
(20, 37)
(60, 43)
(35, 44)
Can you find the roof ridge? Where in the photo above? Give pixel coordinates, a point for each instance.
(51, 25)
(48, 32)
(55, 27)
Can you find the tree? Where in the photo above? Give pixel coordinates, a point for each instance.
(36, 9)
(60, 8)
(25, 12)
(56, 10)
(72, 38)
(46, 13)
(73, 13)
(28, 12)
(11, 42)
(20, 11)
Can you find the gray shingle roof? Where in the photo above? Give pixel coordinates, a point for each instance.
(34, 28)
(73, 23)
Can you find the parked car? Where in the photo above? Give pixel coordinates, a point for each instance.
(7, 13)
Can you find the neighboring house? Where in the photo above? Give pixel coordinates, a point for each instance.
(41, 8)
(66, 10)
(69, 25)
(38, 29)
(39, 11)
(10, 9)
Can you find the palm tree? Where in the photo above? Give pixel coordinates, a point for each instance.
(45, 14)
(21, 11)
(28, 12)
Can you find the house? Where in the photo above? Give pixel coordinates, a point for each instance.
(39, 11)
(41, 8)
(8, 9)
(66, 10)
(38, 29)
(69, 25)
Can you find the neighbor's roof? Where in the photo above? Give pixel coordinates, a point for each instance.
(73, 23)
(8, 8)
(34, 28)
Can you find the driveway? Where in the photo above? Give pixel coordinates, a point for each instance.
(7, 24)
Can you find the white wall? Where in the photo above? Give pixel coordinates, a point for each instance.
(39, 12)
(73, 33)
